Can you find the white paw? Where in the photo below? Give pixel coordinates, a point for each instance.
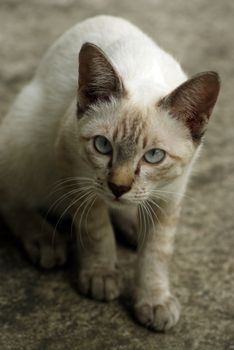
(99, 283)
(158, 316)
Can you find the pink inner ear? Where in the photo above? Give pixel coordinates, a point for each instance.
(193, 101)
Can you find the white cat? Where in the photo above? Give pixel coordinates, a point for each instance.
(122, 133)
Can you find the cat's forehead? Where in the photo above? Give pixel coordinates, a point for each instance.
(140, 128)
(132, 127)
(129, 133)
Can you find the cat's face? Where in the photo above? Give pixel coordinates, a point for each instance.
(132, 149)
(133, 153)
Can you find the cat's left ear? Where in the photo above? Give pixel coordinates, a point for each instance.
(193, 101)
(98, 79)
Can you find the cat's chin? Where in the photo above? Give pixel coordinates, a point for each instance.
(118, 203)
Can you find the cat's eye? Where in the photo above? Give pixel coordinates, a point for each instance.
(102, 145)
(154, 156)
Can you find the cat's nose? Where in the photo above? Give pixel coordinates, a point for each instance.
(118, 190)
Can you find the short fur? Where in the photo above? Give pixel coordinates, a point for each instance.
(137, 96)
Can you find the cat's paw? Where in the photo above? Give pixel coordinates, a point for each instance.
(99, 283)
(46, 252)
(158, 316)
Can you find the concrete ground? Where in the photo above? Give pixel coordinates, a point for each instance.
(42, 310)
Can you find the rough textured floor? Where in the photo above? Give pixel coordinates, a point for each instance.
(42, 310)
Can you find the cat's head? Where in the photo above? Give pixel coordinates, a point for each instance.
(133, 149)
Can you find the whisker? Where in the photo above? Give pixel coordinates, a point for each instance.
(64, 212)
(87, 214)
(148, 209)
(63, 197)
(73, 178)
(155, 215)
(144, 231)
(79, 230)
(150, 200)
(68, 182)
(74, 217)
(140, 227)
(179, 194)
(76, 180)
(77, 188)
(166, 200)
(56, 203)
(86, 205)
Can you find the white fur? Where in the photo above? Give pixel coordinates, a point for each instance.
(28, 133)
(42, 125)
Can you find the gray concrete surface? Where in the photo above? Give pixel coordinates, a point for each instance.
(42, 310)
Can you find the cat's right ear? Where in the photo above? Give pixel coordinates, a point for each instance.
(98, 80)
(193, 101)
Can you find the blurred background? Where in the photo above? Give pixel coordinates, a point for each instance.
(42, 310)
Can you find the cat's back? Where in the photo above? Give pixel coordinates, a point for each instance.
(60, 64)
(135, 56)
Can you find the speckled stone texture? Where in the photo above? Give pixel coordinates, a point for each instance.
(42, 310)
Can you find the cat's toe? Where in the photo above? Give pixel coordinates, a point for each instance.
(158, 317)
(53, 256)
(100, 285)
(45, 253)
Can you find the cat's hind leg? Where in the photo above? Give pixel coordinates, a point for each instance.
(44, 246)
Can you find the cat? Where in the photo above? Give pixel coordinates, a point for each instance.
(122, 134)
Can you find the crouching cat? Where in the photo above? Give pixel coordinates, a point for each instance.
(123, 138)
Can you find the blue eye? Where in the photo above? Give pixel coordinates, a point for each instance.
(102, 145)
(154, 156)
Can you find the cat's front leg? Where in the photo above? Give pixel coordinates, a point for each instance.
(98, 275)
(154, 305)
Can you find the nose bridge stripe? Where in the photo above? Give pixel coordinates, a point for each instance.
(121, 176)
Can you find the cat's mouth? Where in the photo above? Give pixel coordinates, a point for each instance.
(113, 201)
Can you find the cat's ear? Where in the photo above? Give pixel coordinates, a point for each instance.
(98, 80)
(193, 101)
